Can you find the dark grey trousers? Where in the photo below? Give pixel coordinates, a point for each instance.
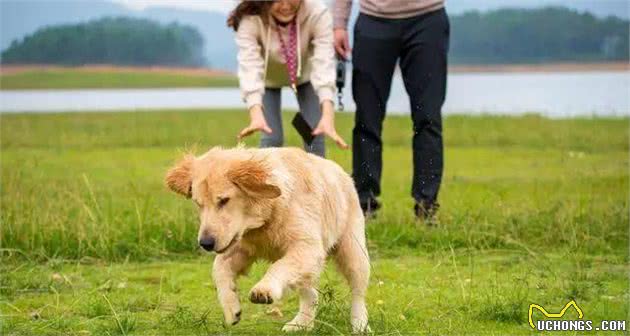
(420, 44)
(310, 109)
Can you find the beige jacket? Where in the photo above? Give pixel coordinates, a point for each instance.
(261, 63)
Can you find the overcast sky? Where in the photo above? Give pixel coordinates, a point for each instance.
(598, 7)
(223, 6)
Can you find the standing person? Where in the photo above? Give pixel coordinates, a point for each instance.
(416, 33)
(286, 43)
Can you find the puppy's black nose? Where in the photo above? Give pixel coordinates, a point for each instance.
(207, 243)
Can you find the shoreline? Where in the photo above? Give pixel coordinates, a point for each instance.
(544, 67)
(207, 72)
(105, 68)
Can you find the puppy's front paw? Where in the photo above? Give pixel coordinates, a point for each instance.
(360, 326)
(231, 307)
(232, 318)
(264, 294)
(298, 325)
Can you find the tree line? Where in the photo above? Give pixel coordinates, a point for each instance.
(551, 34)
(120, 41)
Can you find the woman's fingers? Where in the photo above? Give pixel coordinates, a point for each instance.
(333, 135)
(245, 132)
(317, 131)
(249, 130)
(339, 141)
(266, 129)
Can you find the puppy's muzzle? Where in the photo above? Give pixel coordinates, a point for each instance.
(207, 243)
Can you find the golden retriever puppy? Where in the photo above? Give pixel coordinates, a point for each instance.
(283, 205)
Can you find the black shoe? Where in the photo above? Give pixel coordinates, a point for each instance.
(370, 207)
(426, 211)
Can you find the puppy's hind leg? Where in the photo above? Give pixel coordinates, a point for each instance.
(353, 262)
(225, 271)
(305, 318)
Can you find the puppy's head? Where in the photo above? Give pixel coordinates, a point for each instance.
(233, 196)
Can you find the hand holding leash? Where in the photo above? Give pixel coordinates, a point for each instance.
(342, 43)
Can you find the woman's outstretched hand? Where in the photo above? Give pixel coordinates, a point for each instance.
(326, 125)
(257, 123)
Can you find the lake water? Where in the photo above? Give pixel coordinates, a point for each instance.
(551, 94)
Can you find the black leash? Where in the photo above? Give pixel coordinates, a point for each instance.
(341, 81)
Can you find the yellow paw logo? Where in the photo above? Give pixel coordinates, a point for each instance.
(553, 315)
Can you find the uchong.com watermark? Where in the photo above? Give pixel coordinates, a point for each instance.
(554, 324)
(580, 325)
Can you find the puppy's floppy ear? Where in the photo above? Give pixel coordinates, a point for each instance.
(251, 177)
(179, 178)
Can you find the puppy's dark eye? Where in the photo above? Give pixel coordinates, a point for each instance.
(222, 202)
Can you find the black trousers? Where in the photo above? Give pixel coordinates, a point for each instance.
(421, 45)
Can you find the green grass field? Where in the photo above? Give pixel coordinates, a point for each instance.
(69, 78)
(534, 210)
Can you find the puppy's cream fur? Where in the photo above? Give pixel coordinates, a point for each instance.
(283, 205)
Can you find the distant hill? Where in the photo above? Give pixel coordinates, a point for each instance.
(550, 34)
(598, 8)
(118, 41)
(19, 18)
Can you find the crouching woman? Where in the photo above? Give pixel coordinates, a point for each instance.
(286, 43)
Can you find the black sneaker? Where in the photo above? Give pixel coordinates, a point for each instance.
(370, 207)
(426, 211)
